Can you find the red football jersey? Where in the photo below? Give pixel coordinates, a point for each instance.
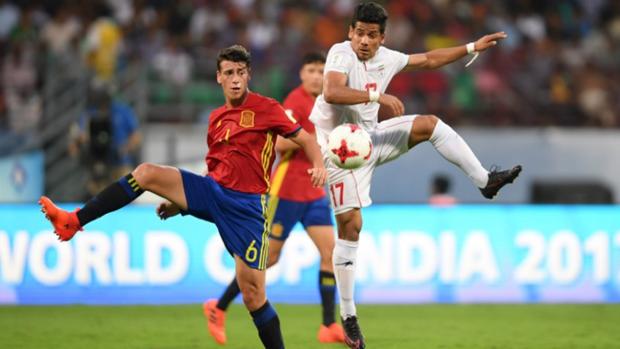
(291, 180)
(241, 142)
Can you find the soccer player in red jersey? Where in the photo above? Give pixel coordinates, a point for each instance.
(241, 141)
(293, 199)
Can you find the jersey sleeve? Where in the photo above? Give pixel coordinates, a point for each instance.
(297, 107)
(398, 59)
(339, 59)
(284, 124)
(298, 113)
(290, 106)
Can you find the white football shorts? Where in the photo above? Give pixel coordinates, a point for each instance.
(350, 189)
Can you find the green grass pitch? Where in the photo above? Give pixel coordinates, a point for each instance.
(401, 326)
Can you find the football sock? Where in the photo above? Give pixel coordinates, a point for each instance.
(454, 149)
(231, 292)
(268, 325)
(113, 197)
(345, 255)
(327, 287)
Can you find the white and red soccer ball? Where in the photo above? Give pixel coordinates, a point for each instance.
(349, 146)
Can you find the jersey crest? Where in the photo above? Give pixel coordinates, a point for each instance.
(247, 119)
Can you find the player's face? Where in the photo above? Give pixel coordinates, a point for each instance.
(234, 78)
(311, 76)
(366, 38)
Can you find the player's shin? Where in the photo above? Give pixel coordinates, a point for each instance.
(113, 197)
(327, 288)
(268, 325)
(345, 260)
(454, 149)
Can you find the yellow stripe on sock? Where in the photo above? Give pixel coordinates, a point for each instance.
(328, 281)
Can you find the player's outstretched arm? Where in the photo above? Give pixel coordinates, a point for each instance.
(440, 57)
(283, 145)
(308, 143)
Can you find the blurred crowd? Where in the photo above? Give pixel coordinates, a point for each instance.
(559, 66)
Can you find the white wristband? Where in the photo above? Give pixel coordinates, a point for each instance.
(373, 96)
(471, 48)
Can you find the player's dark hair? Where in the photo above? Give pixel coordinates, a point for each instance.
(441, 184)
(99, 95)
(313, 57)
(234, 53)
(370, 12)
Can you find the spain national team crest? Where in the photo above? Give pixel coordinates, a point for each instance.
(247, 119)
(276, 230)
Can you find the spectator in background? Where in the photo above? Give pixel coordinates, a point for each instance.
(207, 20)
(559, 66)
(144, 35)
(61, 31)
(9, 15)
(7, 140)
(108, 138)
(19, 79)
(594, 98)
(103, 45)
(173, 64)
(261, 33)
(440, 192)
(26, 30)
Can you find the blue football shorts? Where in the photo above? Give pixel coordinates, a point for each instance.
(241, 218)
(288, 213)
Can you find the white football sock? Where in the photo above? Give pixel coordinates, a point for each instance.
(345, 259)
(454, 149)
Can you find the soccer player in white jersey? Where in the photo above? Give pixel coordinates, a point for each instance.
(357, 73)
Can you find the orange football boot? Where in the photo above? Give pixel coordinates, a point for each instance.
(216, 319)
(331, 334)
(65, 223)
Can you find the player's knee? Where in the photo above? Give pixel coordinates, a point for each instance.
(349, 229)
(349, 232)
(427, 123)
(145, 174)
(423, 128)
(253, 297)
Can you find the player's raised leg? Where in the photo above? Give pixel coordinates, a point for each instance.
(252, 284)
(454, 149)
(323, 237)
(162, 180)
(215, 309)
(345, 260)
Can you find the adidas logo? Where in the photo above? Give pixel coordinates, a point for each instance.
(345, 264)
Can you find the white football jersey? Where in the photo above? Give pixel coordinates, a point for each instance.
(374, 74)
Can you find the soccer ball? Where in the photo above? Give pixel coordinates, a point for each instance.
(349, 146)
